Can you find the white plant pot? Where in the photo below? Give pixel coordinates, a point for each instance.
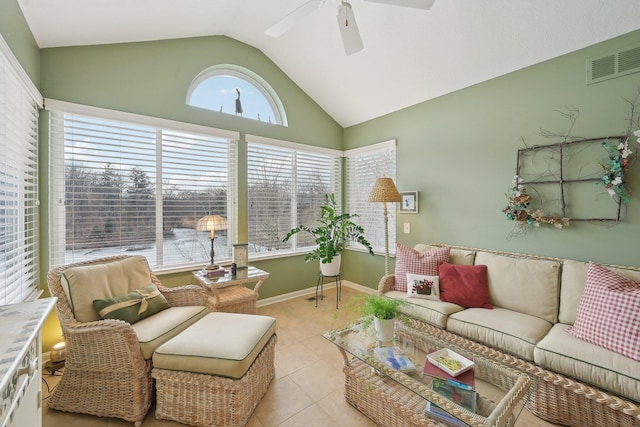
(332, 268)
(385, 328)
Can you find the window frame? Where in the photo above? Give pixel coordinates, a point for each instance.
(19, 214)
(371, 215)
(303, 149)
(57, 161)
(248, 76)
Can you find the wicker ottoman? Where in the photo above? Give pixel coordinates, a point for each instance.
(215, 372)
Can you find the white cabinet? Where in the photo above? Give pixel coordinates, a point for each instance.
(21, 362)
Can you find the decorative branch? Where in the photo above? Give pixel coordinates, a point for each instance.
(620, 158)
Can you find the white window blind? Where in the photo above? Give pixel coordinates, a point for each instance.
(364, 166)
(125, 187)
(287, 184)
(19, 102)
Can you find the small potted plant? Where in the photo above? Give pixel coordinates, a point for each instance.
(382, 311)
(334, 231)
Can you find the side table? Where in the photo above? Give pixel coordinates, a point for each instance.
(228, 293)
(320, 285)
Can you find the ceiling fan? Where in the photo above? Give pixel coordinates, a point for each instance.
(346, 20)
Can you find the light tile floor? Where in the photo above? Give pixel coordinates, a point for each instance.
(309, 384)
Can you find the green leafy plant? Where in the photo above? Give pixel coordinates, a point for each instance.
(381, 307)
(334, 231)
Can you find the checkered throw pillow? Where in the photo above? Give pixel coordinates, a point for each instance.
(608, 314)
(409, 260)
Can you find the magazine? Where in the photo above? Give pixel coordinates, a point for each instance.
(459, 395)
(395, 358)
(437, 413)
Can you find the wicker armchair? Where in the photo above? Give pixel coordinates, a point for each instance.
(106, 373)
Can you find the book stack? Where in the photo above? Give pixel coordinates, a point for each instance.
(213, 273)
(459, 389)
(438, 414)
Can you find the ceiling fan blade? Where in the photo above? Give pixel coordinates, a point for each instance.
(349, 29)
(418, 4)
(285, 24)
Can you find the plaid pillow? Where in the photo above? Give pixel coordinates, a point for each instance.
(608, 312)
(411, 261)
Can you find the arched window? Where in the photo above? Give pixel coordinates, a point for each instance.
(232, 89)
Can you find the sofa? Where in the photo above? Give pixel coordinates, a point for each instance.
(114, 313)
(531, 312)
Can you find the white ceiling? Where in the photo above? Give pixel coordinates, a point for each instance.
(409, 55)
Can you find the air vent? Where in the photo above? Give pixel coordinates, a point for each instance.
(622, 62)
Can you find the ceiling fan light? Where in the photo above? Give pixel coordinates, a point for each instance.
(351, 39)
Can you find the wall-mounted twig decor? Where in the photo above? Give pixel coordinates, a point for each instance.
(560, 183)
(570, 170)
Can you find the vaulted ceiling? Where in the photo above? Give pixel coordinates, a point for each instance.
(409, 55)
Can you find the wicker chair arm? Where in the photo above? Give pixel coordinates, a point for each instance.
(101, 345)
(183, 295)
(386, 283)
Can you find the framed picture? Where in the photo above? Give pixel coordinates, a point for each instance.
(409, 202)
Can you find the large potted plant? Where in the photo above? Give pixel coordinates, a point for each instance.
(334, 231)
(382, 311)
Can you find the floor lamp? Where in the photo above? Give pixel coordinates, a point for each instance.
(385, 191)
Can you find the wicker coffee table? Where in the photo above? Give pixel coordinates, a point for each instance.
(393, 397)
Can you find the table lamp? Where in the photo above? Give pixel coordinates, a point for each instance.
(211, 223)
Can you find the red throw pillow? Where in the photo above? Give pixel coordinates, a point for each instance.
(608, 312)
(465, 285)
(409, 260)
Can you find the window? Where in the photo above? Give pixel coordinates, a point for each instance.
(364, 166)
(286, 185)
(129, 184)
(232, 89)
(19, 102)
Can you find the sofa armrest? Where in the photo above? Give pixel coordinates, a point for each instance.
(386, 284)
(183, 295)
(103, 345)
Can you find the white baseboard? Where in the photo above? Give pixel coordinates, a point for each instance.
(311, 291)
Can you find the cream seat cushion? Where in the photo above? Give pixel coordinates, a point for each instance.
(430, 311)
(559, 351)
(161, 327)
(220, 344)
(513, 332)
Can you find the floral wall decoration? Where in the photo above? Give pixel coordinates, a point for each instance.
(546, 175)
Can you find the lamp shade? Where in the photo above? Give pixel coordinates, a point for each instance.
(211, 223)
(384, 191)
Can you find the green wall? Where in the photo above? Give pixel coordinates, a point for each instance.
(17, 34)
(152, 78)
(459, 152)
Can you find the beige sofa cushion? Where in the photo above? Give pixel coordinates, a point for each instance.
(529, 286)
(512, 332)
(565, 354)
(429, 311)
(456, 256)
(221, 344)
(574, 277)
(161, 327)
(84, 284)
